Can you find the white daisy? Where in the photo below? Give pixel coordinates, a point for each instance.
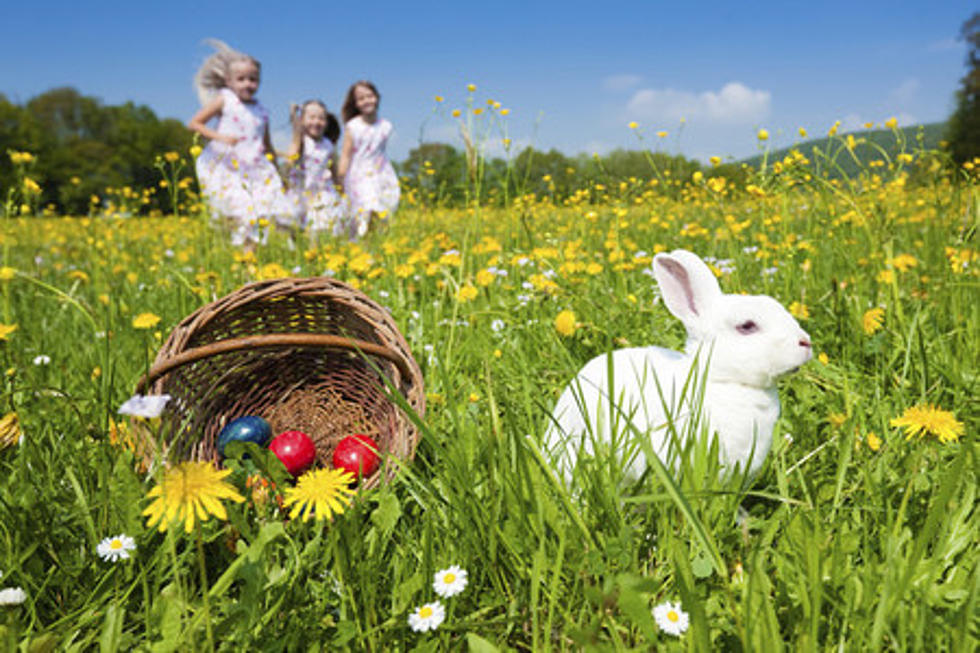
(427, 617)
(12, 596)
(113, 549)
(148, 406)
(671, 619)
(42, 359)
(450, 582)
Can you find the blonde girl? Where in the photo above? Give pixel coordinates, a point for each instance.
(368, 176)
(236, 168)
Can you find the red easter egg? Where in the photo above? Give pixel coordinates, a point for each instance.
(295, 449)
(357, 454)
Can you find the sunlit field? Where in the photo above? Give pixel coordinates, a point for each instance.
(861, 531)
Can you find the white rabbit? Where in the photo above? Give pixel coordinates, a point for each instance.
(746, 342)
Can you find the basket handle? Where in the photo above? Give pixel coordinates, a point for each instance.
(267, 341)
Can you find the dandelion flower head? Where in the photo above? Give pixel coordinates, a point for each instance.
(928, 419)
(320, 493)
(189, 492)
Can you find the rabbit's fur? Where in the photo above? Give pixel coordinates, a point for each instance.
(743, 343)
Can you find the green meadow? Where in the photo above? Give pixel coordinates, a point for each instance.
(860, 533)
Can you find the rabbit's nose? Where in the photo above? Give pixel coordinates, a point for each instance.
(805, 342)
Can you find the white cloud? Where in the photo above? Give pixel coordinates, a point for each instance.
(621, 82)
(904, 92)
(735, 103)
(945, 45)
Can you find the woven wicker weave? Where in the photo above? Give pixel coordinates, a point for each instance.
(304, 354)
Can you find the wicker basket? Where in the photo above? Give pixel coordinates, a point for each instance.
(305, 354)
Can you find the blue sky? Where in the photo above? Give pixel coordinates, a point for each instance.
(573, 74)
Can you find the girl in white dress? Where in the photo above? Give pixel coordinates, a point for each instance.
(368, 177)
(317, 205)
(236, 168)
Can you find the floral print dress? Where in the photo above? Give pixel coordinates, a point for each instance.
(239, 182)
(371, 183)
(316, 204)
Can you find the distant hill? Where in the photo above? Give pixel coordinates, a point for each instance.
(915, 137)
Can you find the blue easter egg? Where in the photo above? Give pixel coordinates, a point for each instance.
(244, 429)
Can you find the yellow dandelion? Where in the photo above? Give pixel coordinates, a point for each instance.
(632, 125)
(874, 442)
(823, 358)
(439, 98)
(10, 431)
(471, 87)
(565, 323)
(715, 160)
(836, 420)
(762, 135)
(456, 113)
(145, 321)
(903, 262)
(928, 419)
(886, 276)
(319, 494)
(891, 123)
(485, 277)
(6, 330)
(467, 293)
(189, 492)
(799, 311)
(504, 112)
(872, 320)
(661, 134)
(7, 273)
(195, 151)
(802, 132)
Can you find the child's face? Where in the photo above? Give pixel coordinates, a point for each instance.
(314, 120)
(243, 80)
(365, 100)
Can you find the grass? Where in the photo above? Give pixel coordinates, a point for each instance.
(856, 537)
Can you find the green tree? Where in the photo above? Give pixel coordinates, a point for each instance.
(964, 125)
(83, 147)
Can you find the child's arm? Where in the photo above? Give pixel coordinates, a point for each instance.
(270, 152)
(346, 150)
(199, 122)
(296, 145)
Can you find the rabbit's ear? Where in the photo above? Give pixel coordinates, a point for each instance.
(688, 286)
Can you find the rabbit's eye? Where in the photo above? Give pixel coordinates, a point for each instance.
(747, 327)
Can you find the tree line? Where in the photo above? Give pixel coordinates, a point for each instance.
(81, 147)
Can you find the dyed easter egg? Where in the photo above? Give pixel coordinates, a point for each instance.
(357, 454)
(244, 429)
(295, 449)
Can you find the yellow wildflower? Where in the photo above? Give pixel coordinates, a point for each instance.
(872, 320)
(10, 431)
(320, 494)
(565, 323)
(926, 418)
(467, 293)
(188, 492)
(799, 311)
(145, 321)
